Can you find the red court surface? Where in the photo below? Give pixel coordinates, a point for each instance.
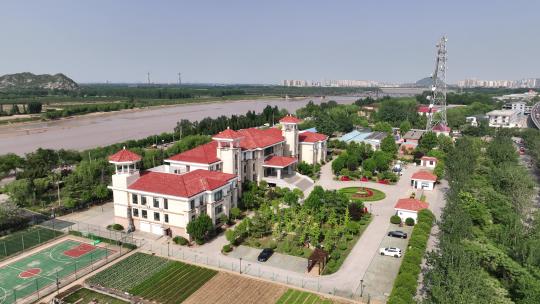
(79, 250)
(28, 273)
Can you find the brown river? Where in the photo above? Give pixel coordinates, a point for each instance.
(89, 131)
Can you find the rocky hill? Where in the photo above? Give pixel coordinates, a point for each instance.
(26, 81)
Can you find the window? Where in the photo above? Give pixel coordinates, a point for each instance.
(268, 151)
(135, 212)
(143, 200)
(156, 216)
(134, 198)
(165, 203)
(166, 218)
(218, 195)
(156, 202)
(218, 209)
(144, 214)
(191, 204)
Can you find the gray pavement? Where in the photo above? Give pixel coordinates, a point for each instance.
(278, 260)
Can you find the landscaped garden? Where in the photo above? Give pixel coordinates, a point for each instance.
(363, 194)
(153, 278)
(326, 219)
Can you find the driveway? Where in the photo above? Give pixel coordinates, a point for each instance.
(289, 262)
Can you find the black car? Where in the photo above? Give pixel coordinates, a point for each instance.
(398, 234)
(265, 254)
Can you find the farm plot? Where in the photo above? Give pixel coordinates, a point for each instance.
(174, 283)
(227, 288)
(84, 295)
(293, 296)
(129, 272)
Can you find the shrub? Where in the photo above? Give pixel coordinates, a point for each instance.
(395, 219)
(117, 227)
(199, 241)
(409, 221)
(226, 248)
(235, 213)
(272, 245)
(180, 240)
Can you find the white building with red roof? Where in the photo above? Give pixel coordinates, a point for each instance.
(207, 179)
(428, 162)
(409, 207)
(423, 179)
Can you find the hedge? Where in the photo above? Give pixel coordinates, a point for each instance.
(104, 240)
(406, 282)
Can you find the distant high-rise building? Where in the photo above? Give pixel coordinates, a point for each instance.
(523, 83)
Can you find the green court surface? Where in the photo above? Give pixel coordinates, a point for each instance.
(23, 277)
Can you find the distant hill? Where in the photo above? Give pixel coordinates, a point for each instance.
(26, 81)
(424, 82)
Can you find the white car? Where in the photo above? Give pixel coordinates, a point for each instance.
(391, 251)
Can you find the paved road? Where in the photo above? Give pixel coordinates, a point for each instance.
(89, 131)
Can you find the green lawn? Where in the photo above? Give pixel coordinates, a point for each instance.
(174, 283)
(293, 296)
(351, 191)
(25, 239)
(87, 295)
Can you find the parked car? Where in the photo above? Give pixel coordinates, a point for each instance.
(391, 251)
(398, 234)
(265, 254)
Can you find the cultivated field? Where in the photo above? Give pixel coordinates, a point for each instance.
(293, 296)
(129, 272)
(227, 288)
(84, 295)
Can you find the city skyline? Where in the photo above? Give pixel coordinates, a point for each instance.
(242, 42)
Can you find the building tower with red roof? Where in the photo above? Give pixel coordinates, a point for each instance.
(229, 151)
(290, 133)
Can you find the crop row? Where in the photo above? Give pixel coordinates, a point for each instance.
(129, 272)
(174, 283)
(298, 297)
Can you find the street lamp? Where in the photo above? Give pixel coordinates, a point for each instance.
(240, 265)
(361, 287)
(168, 244)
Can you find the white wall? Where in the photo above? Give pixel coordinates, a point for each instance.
(404, 214)
(426, 185)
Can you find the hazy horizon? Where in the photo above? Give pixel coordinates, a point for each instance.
(245, 42)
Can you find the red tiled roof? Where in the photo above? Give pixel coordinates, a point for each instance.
(203, 154)
(311, 137)
(428, 158)
(228, 134)
(441, 128)
(259, 138)
(425, 109)
(182, 185)
(290, 119)
(424, 175)
(279, 161)
(125, 156)
(411, 204)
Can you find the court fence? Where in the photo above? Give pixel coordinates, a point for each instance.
(116, 244)
(24, 240)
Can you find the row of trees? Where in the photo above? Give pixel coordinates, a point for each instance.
(330, 117)
(488, 241)
(32, 107)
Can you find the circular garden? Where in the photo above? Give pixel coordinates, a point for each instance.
(364, 194)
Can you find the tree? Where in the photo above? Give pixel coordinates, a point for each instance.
(382, 160)
(235, 213)
(427, 142)
(200, 227)
(369, 165)
(404, 127)
(444, 143)
(34, 107)
(20, 191)
(501, 150)
(10, 162)
(383, 127)
(388, 145)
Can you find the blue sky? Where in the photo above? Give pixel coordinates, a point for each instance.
(267, 41)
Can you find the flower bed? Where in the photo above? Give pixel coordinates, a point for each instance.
(363, 194)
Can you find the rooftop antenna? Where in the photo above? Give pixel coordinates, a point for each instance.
(437, 98)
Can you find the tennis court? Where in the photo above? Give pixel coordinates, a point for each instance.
(42, 269)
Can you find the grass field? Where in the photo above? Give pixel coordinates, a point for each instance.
(85, 295)
(225, 288)
(129, 272)
(41, 269)
(25, 239)
(293, 296)
(351, 191)
(174, 283)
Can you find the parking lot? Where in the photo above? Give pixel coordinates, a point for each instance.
(278, 260)
(382, 270)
